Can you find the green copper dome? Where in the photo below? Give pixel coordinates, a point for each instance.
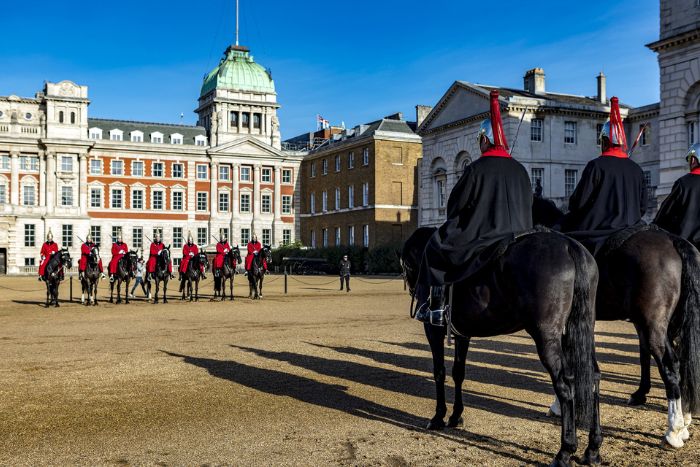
(238, 71)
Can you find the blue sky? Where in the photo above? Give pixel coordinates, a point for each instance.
(348, 61)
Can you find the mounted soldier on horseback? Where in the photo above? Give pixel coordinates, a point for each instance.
(256, 263)
(52, 267)
(122, 268)
(225, 263)
(159, 268)
(89, 270)
(192, 268)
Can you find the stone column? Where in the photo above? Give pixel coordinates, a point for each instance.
(277, 224)
(214, 192)
(50, 181)
(42, 178)
(250, 123)
(235, 197)
(256, 193)
(240, 120)
(82, 183)
(14, 178)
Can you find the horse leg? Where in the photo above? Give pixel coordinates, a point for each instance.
(55, 294)
(230, 285)
(639, 397)
(165, 290)
(436, 339)
(196, 291)
(595, 436)
(126, 290)
(668, 365)
(262, 278)
(111, 292)
(119, 290)
(458, 370)
(83, 286)
(48, 293)
(155, 297)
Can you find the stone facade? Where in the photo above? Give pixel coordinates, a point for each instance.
(370, 171)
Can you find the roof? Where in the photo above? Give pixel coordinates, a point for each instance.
(553, 97)
(188, 132)
(393, 124)
(238, 71)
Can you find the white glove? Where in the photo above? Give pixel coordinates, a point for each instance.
(161, 251)
(43, 257)
(225, 250)
(122, 252)
(191, 254)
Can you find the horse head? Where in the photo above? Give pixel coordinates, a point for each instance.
(412, 254)
(203, 260)
(65, 259)
(267, 254)
(165, 256)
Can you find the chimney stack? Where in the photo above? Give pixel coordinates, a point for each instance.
(534, 81)
(422, 112)
(602, 94)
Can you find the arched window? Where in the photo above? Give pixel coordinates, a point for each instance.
(439, 181)
(60, 116)
(72, 118)
(461, 162)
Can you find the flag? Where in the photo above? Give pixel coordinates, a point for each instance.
(322, 123)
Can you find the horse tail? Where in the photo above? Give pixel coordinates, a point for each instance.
(578, 340)
(688, 313)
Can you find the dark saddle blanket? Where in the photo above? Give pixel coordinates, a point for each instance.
(617, 239)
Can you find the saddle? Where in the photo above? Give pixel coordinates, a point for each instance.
(617, 239)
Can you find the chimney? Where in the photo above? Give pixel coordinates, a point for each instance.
(534, 81)
(422, 111)
(602, 94)
(396, 116)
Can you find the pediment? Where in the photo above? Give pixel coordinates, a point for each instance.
(246, 146)
(461, 101)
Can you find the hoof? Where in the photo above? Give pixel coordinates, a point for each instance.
(436, 424)
(111, 301)
(673, 440)
(685, 434)
(637, 400)
(590, 458)
(118, 302)
(455, 422)
(57, 305)
(165, 300)
(559, 463)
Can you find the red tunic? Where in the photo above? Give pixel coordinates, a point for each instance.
(155, 249)
(221, 250)
(47, 250)
(85, 250)
(119, 250)
(188, 251)
(253, 247)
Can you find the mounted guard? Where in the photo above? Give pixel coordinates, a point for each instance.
(254, 248)
(222, 249)
(86, 249)
(189, 251)
(119, 250)
(157, 248)
(48, 249)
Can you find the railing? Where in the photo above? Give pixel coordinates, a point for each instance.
(31, 130)
(4, 128)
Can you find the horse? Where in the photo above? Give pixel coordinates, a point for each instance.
(193, 274)
(542, 282)
(53, 275)
(125, 271)
(227, 273)
(256, 273)
(90, 278)
(652, 278)
(161, 274)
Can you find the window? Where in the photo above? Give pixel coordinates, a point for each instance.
(570, 181)
(441, 192)
(29, 235)
(96, 233)
(95, 133)
(200, 140)
(95, 197)
(324, 201)
(60, 116)
(224, 201)
(178, 171)
(266, 175)
(266, 236)
(30, 261)
(598, 131)
(95, 167)
(365, 156)
(234, 119)
(136, 137)
(266, 203)
(536, 129)
(176, 138)
(324, 167)
(29, 164)
(66, 196)
(570, 132)
(643, 139)
(313, 239)
(137, 199)
(137, 237)
(67, 235)
(351, 235)
(337, 162)
(324, 236)
(117, 198)
(351, 196)
(286, 204)
(66, 164)
(116, 135)
(245, 120)
(157, 169)
(286, 175)
(286, 236)
(225, 172)
(691, 133)
(202, 236)
(245, 202)
(157, 137)
(365, 194)
(337, 199)
(202, 201)
(177, 200)
(72, 118)
(5, 162)
(28, 195)
(177, 237)
(365, 235)
(116, 232)
(257, 119)
(137, 169)
(3, 193)
(313, 169)
(536, 175)
(201, 172)
(117, 167)
(351, 160)
(245, 236)
(245, 174)
(647, 178)
(312, 203)
(158, 199)
(337, 236)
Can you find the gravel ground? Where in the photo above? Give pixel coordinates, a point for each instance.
(316, 377)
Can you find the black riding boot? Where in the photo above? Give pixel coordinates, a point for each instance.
(430, 305)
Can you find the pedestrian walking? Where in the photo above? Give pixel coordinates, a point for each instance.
(345, 273)
(140, 272)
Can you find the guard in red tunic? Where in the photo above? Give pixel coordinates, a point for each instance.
(680, 211)
(119, 250)
(85, 250)
(48, 249)
(222, 249)
(254, 247)
(156, 248)
(188, 252)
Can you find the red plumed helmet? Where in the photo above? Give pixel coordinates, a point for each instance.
(613, 140)
(492, 130)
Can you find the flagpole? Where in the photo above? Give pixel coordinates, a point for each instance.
(236, 23)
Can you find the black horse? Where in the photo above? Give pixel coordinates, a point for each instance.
(53, 275)
(651, 278)
(256, 273)
(126, 267)
(544, 283)
(90, 278)
(161, 274)
(192, 275)
(227, 273)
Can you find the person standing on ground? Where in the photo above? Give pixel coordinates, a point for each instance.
(345, 267)
(140, 272)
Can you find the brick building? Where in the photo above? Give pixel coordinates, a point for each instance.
(359, 187)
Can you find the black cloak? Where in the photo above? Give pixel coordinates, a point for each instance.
(680, 211)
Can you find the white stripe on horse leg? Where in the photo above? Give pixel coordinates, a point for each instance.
(687, 421)
(555, 408)
(675, 424)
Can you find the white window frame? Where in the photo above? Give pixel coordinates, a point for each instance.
(92, 166)
(136, 136)
(227, 204)
(351, 160)
(26, 186)
(249, 200)
(337, 199)
(99, 204)
(156, 137)
(67, 202)
(351, 196)
(161, 192)
(337, 236)
(312, 203)
(286, 204)
(120, 190)
(338, 162)
(162, 169)
(175, 194)
(66, 164)
(324, 201)
(313, 239)
(287, 176)
(365, 194)
(176, 138)
(225, 172)
(313, 169)
(182, 167)
(569, 187)
(537, 130)
(111, 167)
(200, 140)
(245, 169)
(202, 196)
(324, 166)
(351, 235)
(140, 172)
(116, 135)
(365, 156)
(266, 175)
(570, 127)
(95, 133)
(263, 197)
(199, 173)
(141, 189)
(324, 237)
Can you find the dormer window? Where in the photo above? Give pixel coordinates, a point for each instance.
(200, 140)
(116, 135)
(176, 138)
(95, 133)
(157, 137)
(137, 136)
